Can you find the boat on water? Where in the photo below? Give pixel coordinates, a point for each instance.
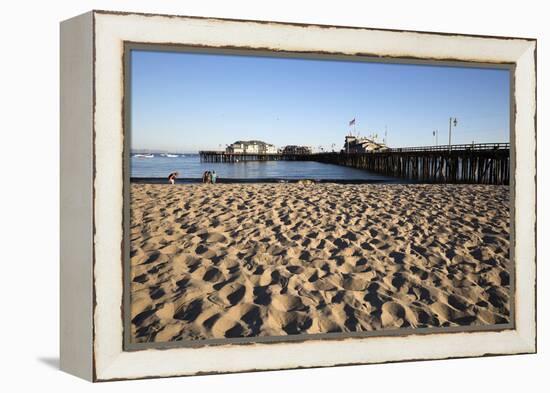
(169, 155)
(144, 156)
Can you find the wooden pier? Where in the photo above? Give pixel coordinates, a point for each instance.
(483, 163)
(478, 164)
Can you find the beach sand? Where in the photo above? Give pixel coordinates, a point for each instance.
(247, 260)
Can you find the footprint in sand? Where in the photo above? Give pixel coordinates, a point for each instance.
(213, 237)
(393, 314)
(288, 303)
(212, 275)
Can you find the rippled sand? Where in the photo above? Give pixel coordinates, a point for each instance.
(242, 260)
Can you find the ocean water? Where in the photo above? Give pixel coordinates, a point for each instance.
(189, 166)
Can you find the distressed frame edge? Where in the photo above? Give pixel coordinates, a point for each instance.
(528, 219)
(76, 196)
(529, 342)
(304, 24)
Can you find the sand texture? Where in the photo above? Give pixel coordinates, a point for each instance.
(247, 260)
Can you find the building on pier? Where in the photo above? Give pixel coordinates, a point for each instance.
(356, 144)
(251, 147)
(293, 149)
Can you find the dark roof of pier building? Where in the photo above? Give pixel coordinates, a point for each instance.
(252, 142)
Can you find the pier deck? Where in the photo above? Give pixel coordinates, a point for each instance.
(222, 156)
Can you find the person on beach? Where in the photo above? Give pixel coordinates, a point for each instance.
(172, 177)
(206, 178)
(213, 177)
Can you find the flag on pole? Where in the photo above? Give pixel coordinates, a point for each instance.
(352, 122)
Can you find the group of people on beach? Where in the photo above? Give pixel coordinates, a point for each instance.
(208, 177)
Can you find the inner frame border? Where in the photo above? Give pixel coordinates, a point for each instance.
(129, 46)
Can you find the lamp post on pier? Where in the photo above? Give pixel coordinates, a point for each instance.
(452, 122)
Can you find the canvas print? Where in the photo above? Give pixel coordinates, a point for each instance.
(282, 198)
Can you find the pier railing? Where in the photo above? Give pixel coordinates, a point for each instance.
(466, 147)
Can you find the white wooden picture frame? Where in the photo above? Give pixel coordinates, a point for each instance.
(92, 193)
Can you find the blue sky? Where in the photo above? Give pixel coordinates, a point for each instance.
(189, 101)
